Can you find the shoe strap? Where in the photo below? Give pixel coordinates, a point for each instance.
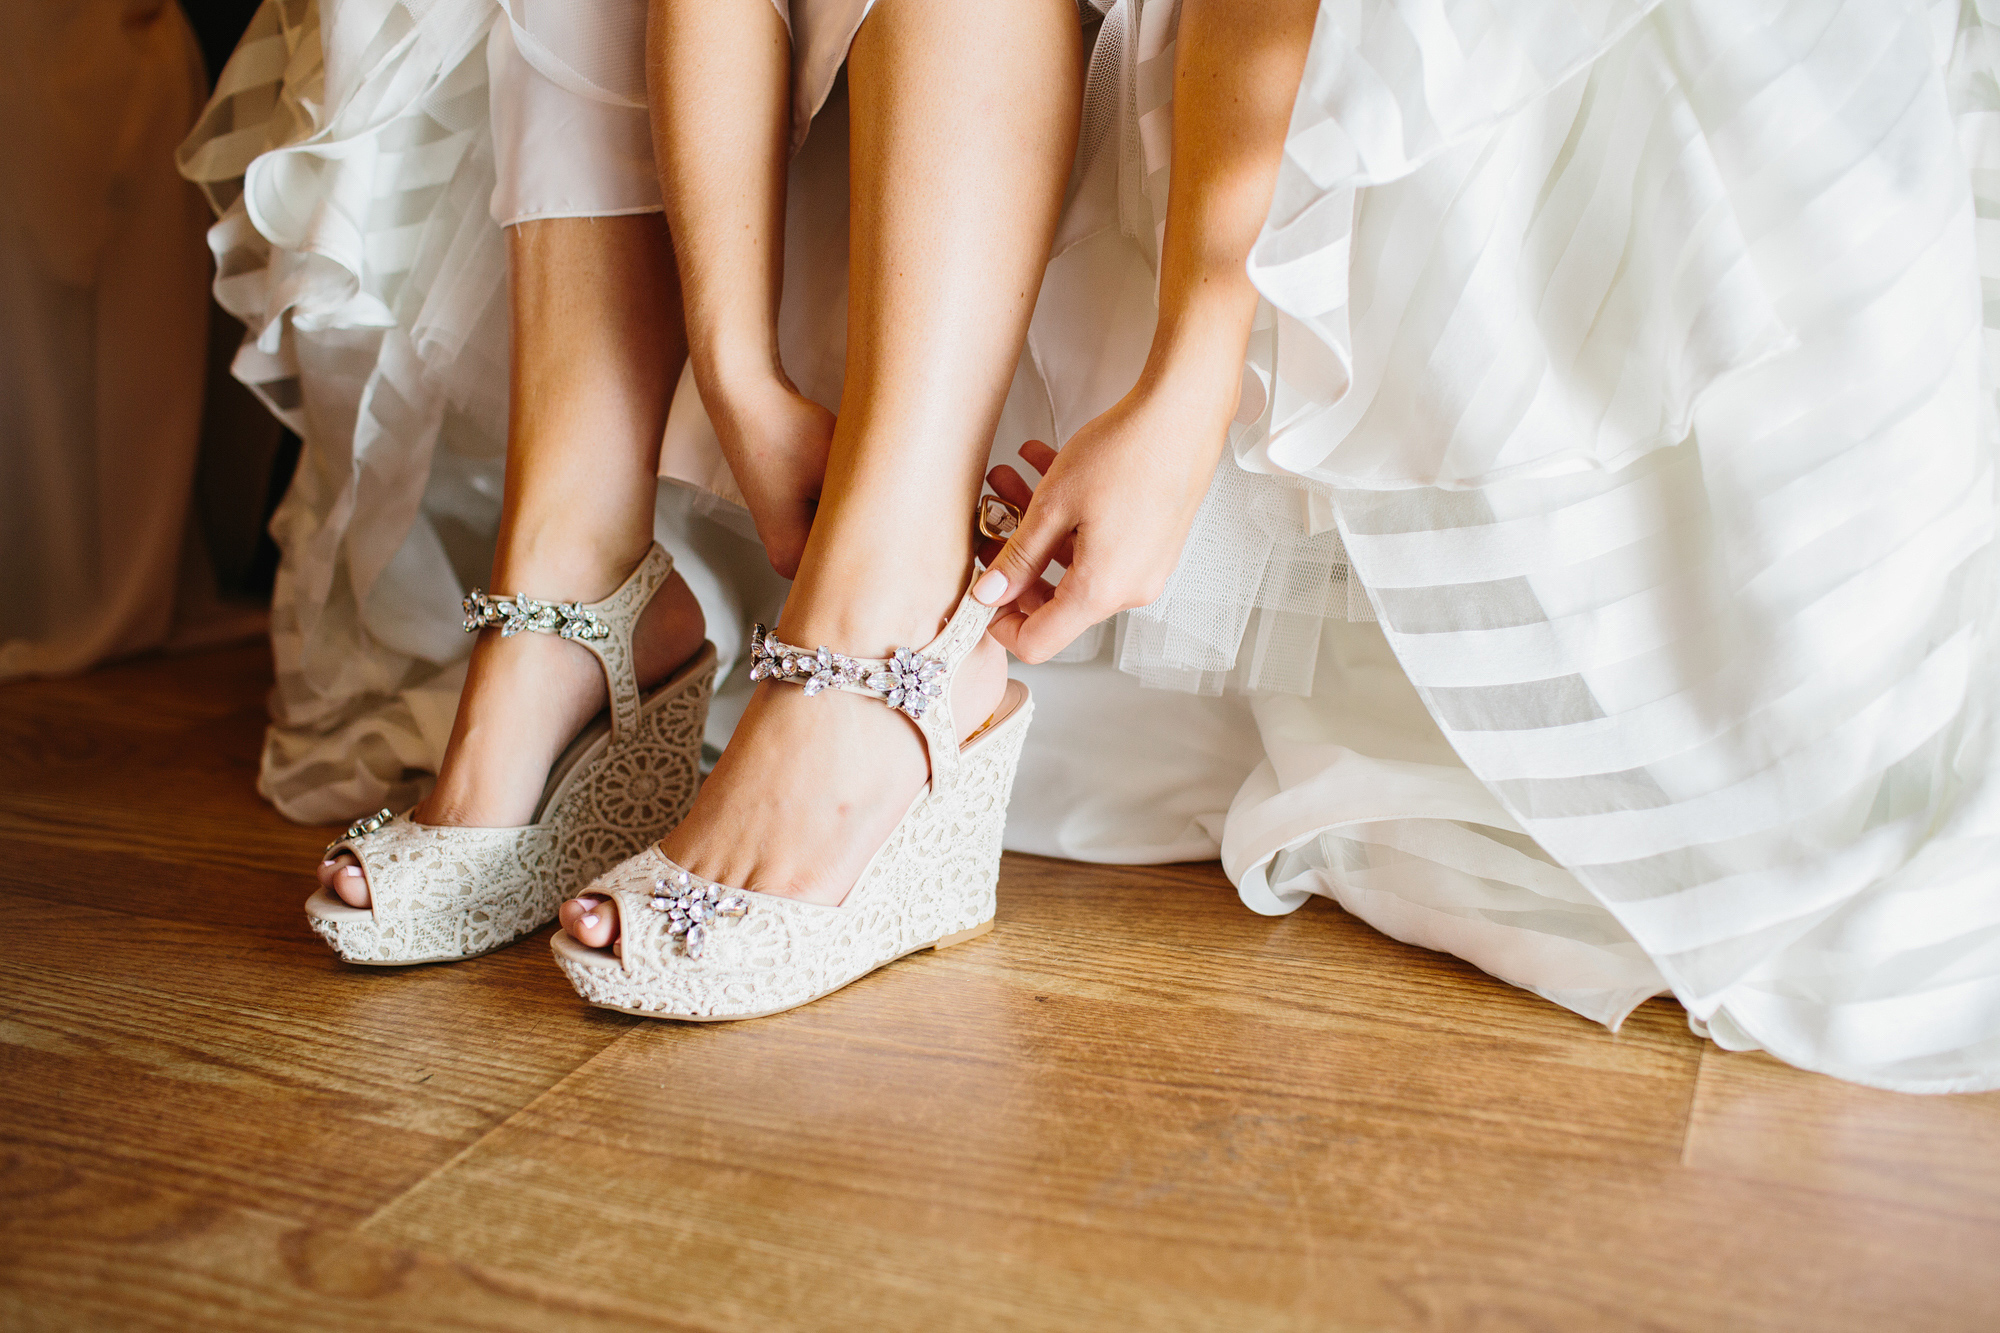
(604, 627)
(916, 682)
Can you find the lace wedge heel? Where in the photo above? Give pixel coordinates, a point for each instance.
(441, 893)
(696, 950)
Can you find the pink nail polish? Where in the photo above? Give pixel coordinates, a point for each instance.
(590, 919)
(992, 584)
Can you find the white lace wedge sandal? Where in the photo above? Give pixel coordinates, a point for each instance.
(438, 893)
(690, 948)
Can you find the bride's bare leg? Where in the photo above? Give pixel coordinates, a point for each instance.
(964, 120)
(597, 347)
(719, 76)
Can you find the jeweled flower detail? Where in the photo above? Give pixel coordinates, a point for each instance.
(692, 908)
(911, 681)
(512, 615)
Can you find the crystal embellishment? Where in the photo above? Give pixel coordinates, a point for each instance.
(908, 681)
(765, 654)
(361, 828)
(911, 682)
(692, 908)
(822, 669)
(512, 615)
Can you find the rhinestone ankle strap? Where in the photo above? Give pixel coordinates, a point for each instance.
(907, 680)
(511, 615)
(916, 682)
(602, 628)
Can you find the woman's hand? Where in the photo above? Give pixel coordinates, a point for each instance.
(775, 440)
(1113, 509)
(1116, 505)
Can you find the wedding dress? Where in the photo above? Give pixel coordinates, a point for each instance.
(1598, 585)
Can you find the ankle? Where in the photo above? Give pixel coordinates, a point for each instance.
(855, 608)
(571, 566)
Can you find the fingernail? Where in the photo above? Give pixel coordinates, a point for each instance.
(589, 919)
(991, 586)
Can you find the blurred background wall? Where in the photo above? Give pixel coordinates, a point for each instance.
(135, 475)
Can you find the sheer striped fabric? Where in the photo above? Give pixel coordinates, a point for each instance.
(351, 168)
(1645, 350)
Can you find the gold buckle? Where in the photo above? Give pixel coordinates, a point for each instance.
(997, 526)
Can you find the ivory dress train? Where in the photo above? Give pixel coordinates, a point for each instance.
(1626, 361)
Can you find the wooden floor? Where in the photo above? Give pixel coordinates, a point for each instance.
(1135, 1105)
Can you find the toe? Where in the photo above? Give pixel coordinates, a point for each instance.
(343, 874)
(591, 920)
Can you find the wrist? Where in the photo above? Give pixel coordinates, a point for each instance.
(1199, 345)
(733, 367)
(1198, 381)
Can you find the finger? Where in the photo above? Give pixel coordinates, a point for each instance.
(1054, 625)
(1007, 624)
(1024, 557)
(1038, 456)
(1010, 486)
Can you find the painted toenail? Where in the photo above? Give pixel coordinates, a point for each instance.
(350, 870)
(591, 920)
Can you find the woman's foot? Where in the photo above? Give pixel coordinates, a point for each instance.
(810, 788)
(525, 699)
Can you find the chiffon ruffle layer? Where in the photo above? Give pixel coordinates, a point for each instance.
(1627, 360)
